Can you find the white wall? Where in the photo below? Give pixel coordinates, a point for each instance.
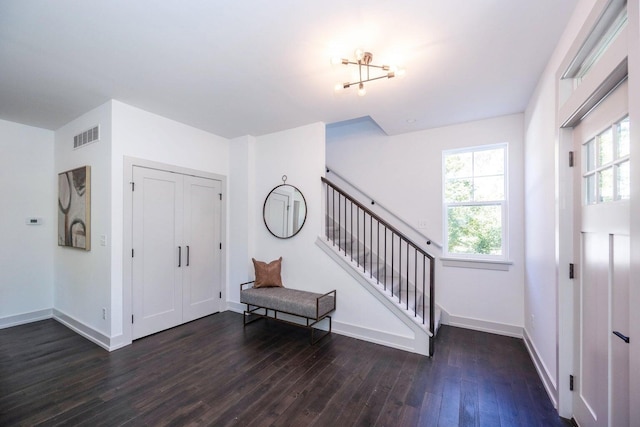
(140, 134)
(404, 173)
(27, 189)
(543, 211)
(82, 284)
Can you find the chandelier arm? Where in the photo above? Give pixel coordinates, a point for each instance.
(382, 67)
(369, 80)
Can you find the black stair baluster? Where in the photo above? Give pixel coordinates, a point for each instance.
(351, 233)
(378, 253)
(333, 217)
(415, 282)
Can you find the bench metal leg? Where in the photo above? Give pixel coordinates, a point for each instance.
(315, 340)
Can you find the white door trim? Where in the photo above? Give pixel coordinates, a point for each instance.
(127, 216)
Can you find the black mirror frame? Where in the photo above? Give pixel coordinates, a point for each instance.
(264, 208)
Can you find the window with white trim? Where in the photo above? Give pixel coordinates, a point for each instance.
(475, 202)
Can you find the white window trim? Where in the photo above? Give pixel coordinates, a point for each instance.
(491, 262)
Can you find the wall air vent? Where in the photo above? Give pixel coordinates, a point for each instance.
(86, 137)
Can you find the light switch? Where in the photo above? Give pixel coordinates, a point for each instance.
(103, 240)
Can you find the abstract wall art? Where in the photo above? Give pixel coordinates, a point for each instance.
(74, 208)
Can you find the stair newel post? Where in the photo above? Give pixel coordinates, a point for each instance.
(432, 304)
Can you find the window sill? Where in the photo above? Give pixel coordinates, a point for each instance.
(476, 263)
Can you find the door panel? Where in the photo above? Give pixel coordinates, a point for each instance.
(620, 322)
(202, 275)
(592, 381)
(157, 282)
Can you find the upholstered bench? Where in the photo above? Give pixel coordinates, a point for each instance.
(312, 307)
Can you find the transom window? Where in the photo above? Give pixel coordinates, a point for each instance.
(475, 202)
(606, 165)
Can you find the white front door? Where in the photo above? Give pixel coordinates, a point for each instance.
(202, 268)
(157, 240)
(602, 241)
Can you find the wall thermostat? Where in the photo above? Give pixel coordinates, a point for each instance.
(33, 221)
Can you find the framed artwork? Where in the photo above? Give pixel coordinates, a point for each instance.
(74, 208)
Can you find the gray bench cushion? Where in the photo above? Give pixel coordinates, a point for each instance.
(293, 301)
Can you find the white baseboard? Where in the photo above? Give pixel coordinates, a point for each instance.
(410, 344)
(236, 307)
(21, 319)
(406, 343)
(547, 379)
(80, 328)
(481, 325)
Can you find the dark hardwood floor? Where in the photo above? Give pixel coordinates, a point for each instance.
(214, 372)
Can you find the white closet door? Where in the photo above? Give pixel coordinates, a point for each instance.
(157, 241)
(202, 269)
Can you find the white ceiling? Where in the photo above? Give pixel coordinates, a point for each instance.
(245, 67)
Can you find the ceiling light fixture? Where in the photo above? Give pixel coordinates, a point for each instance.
(363, 61)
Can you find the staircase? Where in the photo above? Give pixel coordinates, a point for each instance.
(393, 268)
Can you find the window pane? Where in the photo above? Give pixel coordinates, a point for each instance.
(624, 180)
(458, 190)
(475, 230)
(623, 138)
(589, 156)
(605, 184)
(488, 162)
(590, 189)
(605, 147)
(489, 188)
(458, 165)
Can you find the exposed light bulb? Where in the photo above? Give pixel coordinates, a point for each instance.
(359, 54)
(361, 90)
(397, 72)
(336, 60)
(338, 87)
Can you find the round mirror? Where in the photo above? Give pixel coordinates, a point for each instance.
(285, 211)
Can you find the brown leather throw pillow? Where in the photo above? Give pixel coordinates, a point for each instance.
(267, 275)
